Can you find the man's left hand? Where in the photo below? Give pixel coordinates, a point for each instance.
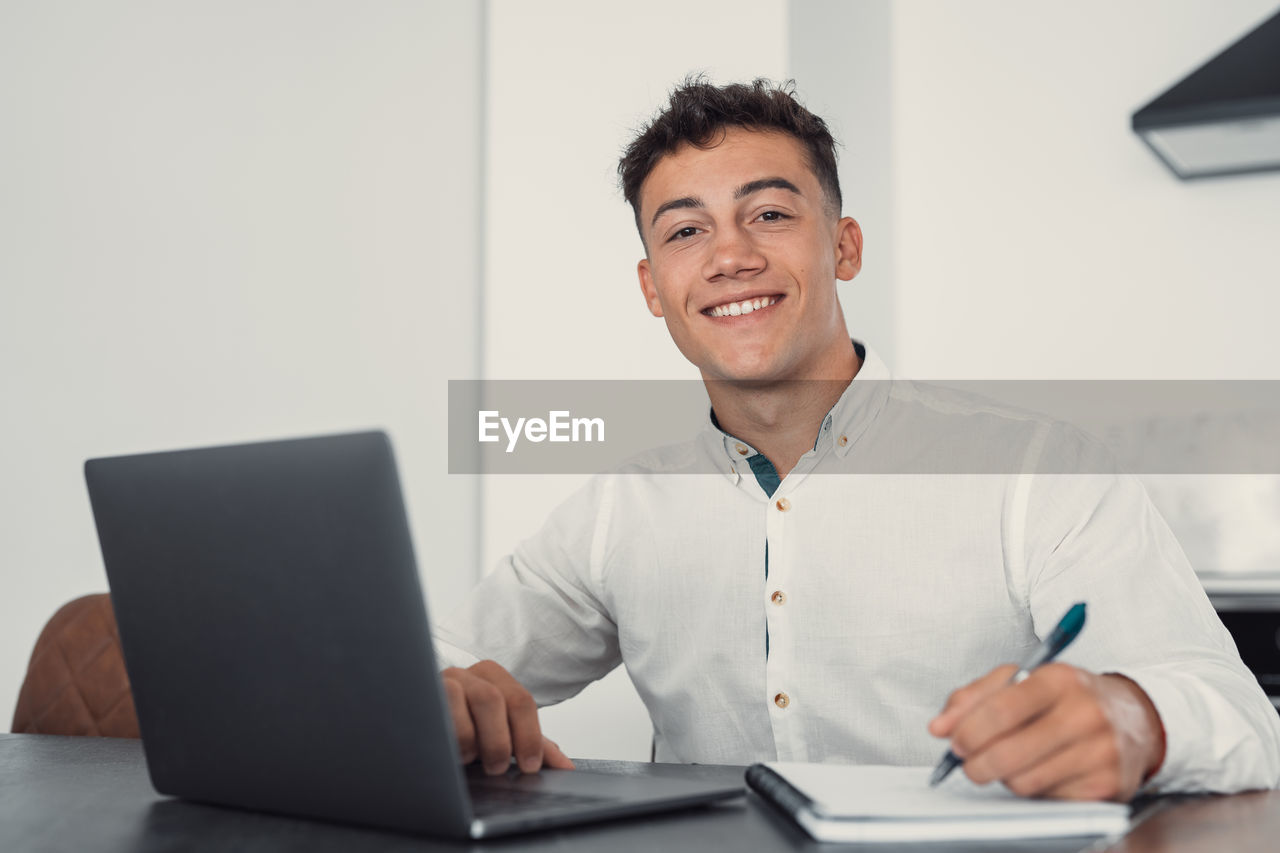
(1062, 732)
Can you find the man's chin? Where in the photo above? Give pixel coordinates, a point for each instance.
(745, 378)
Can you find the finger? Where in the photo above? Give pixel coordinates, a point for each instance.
(553, 756)
(489, 714)
(1083, 770)
(1101, 784)
(1000, 714)
(960, 701)
(526, 734)
(522, 715)
(463, 728)
(1017, 753)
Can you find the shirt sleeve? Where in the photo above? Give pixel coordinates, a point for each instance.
(1097, 538)
(539, 613)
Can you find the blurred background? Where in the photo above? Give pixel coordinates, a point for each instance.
(232, 220)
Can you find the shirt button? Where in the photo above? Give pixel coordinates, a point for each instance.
(782, 700)
(778, 597)
(844, 439)
(783, 504)
(742, 449)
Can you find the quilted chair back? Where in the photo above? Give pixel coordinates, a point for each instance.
(76, 683)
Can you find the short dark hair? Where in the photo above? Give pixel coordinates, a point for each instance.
(699, 113)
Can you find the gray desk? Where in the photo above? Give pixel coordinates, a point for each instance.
(93, 794)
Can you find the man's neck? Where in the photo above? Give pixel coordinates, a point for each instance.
(782, 419)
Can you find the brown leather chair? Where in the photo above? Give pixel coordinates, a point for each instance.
(76, 683)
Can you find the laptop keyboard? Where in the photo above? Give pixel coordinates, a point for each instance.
(493, 800)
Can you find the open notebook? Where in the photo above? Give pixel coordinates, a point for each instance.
(876, 803)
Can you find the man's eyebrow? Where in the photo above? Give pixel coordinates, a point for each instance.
(765, 184)
(675, 204)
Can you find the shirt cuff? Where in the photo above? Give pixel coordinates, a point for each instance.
(1172, 707)
(1203, 735)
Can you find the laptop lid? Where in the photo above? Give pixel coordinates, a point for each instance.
(274, 631)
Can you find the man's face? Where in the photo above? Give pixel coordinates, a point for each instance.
(743, 255)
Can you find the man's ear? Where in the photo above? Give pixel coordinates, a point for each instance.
(848, 248)
(646, 287)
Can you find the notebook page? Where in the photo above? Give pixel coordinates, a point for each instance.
(903, 793)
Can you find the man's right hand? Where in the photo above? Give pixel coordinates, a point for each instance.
(496, 718)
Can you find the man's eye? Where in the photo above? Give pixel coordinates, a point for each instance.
(773, 216)
(684, 233)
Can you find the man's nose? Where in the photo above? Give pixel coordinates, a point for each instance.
(733, 255)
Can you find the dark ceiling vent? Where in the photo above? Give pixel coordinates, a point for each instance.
(1224, 117)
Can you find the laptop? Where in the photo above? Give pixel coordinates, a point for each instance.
(276, 639)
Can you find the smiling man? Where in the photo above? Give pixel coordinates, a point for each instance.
(776, 594)
(744, 248)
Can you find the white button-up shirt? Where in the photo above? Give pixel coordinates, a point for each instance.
(884, 592)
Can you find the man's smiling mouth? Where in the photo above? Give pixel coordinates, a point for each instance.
(737, 309)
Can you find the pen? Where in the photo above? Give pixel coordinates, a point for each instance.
(1068, 629)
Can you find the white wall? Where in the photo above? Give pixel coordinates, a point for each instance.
(226, 221)
(840, 56)
(568, 82)
(1035, 235)
(1015, 226)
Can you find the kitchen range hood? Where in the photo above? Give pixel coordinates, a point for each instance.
(1224, 117)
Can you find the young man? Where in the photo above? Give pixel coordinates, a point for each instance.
(766, 611)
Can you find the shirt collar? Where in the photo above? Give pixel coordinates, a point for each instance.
(847, 421)
(859, 405)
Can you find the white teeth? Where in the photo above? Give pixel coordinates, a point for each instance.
(737, 309)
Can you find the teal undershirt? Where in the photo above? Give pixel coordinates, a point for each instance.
(767, 477)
